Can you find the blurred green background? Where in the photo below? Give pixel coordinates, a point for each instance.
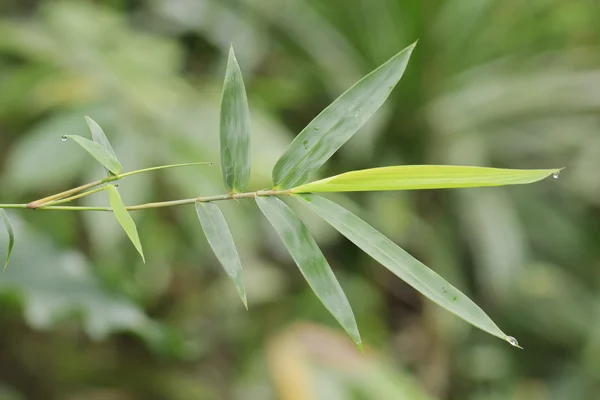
(504, 83)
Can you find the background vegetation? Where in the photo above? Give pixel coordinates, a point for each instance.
(501, 83)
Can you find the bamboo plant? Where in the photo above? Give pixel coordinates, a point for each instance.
(292, 179)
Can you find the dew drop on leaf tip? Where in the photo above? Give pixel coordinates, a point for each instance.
(556, 174)
(512, 341)
(63, 138)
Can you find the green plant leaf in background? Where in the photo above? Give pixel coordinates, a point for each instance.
(311, 262)
(402, 264)
(424, 177)
(235, 129)
(219, 237)
(325, 134)
(102, 155)
(11, 235)
(124, 218)
(99, 137)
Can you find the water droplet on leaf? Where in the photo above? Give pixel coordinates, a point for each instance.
(305, 143)
(210, 164)
(316, 128)
(64, 138)
(555, 175)
(512, 341)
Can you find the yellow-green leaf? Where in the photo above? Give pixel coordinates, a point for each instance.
(124, 218)
(412, 177)
(325, 134)
(99, 137)
(402, 264)
(235, 129)
(219, 237)
(102, 155)
(11, 235)
(311, 262)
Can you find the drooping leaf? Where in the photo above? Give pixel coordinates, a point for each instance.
(11, 235)
(124, 218)
(235, 129)
(325, 134)
(99, 137)
(309, 258)
(412, 177)
(402, 264)
(219, 237)
(102, 155)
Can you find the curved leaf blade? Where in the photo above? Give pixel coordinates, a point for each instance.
(402, 264)
(235, 129)
(311, 262)
(11, 235)
(219, 237)
(412, 177)
(325, 134)
(125, 220)
(99, 137)
(102, 155)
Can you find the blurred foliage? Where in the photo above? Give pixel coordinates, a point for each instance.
(501, 83)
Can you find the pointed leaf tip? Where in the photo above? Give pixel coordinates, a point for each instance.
(11, 235)
(221, 242)
(234, 128)
(311, 262)
(124, 218)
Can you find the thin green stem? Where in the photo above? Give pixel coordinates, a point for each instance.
(139, 171)
(66, 193)
(44, 202)
(172, 203)
(71, 198)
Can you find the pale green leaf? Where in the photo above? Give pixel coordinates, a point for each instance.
(124, 218)
(219, 237)
(412, 177)
(309, 258)
(99, 137)
(11, 235)
(235, 129)
(325, 134)
(102, 155)
(402, 264)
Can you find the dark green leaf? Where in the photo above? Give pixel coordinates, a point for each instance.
(310, 260)
(99, 137)
(219, 237)
(402, 264)
(124, 218)
(325, 134)
(102, 155)
(235, 129)
(11, 235)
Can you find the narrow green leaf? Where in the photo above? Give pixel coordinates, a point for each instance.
(219, 237)
(235, 129)
(325, 134)
(102, 155)
(11, 235)
(124, 218)
(412, 177)
(99, 137)
(402, 264)
(310, 260)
